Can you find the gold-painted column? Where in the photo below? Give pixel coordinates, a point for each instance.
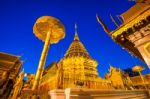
(42, 62)
(143, 81)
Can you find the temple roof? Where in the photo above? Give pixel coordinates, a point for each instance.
(10, 63)
(51, 68)
(135, 11)
(9, 57)
(77, 48)
(49, 72)
(7, 61)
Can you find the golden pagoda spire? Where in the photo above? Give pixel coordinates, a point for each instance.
(76, 37)
(78, 66)
(76, 48)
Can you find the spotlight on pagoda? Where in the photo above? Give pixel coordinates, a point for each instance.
(50, 30)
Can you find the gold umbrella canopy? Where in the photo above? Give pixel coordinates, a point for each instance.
(137, 68)
(46, 24)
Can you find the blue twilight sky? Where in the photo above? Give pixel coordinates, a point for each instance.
(17, 18)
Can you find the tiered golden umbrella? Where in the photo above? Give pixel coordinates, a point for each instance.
(50, 30)
(138, 69)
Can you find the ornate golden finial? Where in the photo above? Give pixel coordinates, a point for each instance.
(76, 27)
(111, 68)
(76, 33)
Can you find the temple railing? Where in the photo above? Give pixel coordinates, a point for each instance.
(78, 93)
(99, 94)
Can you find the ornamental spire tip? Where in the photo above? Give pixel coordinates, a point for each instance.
(76, 33)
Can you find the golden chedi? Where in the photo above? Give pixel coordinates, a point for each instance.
(77, 69)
